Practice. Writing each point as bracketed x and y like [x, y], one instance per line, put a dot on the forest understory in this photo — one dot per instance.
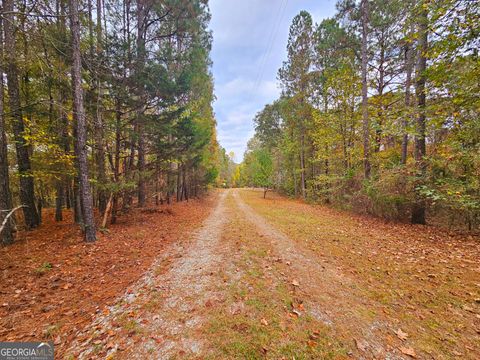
[234, 275]
[54, 282]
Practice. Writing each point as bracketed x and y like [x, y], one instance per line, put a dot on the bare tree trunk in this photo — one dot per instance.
[295, 185]
[366, 121]
[98, 121]
[59, 183]
[59, 200]
[27, 193]
[80, 122]
[127, 196]
[409, 57]
[141, 19]
[380, 89]
[5, 196]
[68, 194]
[302, 165]
[418, 209]
[179, 184]
[116, 166]
[63, 186]
[169, 181]
[184, 184]
[65, 196]
[157, 180]
[141, 168]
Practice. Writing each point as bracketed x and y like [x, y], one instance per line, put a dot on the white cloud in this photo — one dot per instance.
[242, 23]
[235, 87]
[249, 43]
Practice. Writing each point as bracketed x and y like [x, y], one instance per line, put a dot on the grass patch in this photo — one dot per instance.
[398, 270]
[265, 328]
[42, 269]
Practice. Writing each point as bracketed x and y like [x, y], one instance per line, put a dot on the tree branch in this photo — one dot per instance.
[9, 215]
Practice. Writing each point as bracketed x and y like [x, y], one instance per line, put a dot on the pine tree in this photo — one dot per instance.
[81, 127]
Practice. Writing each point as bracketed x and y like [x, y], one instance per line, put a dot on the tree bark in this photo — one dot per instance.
[179, 184]
[366, 121]
[5, 195]
[380, 90]
[408, 83]
[302, 166]
[116, 166]
[27, 192]
[418, 209]
[59, 200]
[81, 126]
[97, 113]
[141, 19]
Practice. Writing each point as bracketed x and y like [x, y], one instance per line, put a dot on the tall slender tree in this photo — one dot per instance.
[409, 64]
[139, 121]
[5, 197]
[295, 79]
[366, 121]
[81, 126]
[418, 210]
[27, 191]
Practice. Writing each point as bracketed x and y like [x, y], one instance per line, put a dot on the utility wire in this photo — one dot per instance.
[271, 41]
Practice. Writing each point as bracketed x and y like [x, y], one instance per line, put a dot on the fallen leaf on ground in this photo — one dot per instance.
[296, 312]
[401, 334]
[361, 345]
[408, 351]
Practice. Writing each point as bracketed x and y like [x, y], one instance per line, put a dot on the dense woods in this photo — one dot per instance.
[104, 105]
[112, 245]
[379, 112]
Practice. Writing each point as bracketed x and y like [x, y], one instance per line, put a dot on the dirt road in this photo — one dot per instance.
[278, 279]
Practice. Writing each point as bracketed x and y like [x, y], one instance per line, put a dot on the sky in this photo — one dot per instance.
[249, 46]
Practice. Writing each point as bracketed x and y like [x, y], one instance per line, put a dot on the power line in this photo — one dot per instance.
[271, 41]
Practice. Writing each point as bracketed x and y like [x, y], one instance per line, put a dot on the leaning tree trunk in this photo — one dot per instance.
[27, 193]
[80, 122]
[5, 197]
[366, 121]
[418, 209]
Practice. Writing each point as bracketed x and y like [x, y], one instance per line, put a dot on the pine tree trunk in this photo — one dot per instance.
[65, 196]
[141, 19]
[81, 126]
[169, 185]
[97, 116]
[184, 184]
[418, 209]
[27, 193]
[179, 184]
[116, 166]
[366, 120]
[63, 184]
[141, 167]
[380, 89]
[408, 83]
[5, 197]
[59, 200]
[302, 166]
